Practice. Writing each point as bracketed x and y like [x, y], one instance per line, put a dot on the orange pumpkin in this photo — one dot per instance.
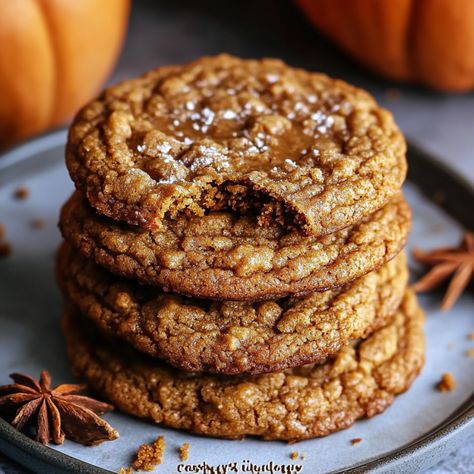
[425, 41]
[54, 55]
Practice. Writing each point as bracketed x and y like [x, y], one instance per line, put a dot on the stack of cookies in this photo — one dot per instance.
[233, 260]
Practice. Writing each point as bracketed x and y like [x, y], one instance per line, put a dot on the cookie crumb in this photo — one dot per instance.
[470, 352]
[38, 223]
[356, 441]
[5, 249]
[150, 455]
[294, 455]
[471, 336]
[125, 470]
[21, 193]
[447, 382]
[184, 452]
[303, 457]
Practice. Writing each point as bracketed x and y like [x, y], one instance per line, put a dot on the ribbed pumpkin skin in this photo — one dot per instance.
[54, 56]
[430, 42]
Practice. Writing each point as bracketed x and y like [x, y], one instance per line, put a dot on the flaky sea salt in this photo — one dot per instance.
[229, 114]
[272, 78]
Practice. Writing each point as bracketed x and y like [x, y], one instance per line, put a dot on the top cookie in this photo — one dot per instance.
[296, 147]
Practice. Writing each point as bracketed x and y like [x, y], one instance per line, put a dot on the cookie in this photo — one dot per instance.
[315, 400]
[226, 256]
[292, 146]
[231, 337]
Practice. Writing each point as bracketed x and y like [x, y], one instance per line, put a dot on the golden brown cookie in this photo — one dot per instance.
[231, 336]
[296, 147]
[227, 257]
[315, 400]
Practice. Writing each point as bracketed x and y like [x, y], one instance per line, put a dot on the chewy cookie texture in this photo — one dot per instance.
[232, 336]
[223, 255]
[295, 147]
[315, 400]
[233, 260]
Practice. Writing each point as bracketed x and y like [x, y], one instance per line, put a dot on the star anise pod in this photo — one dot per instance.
[456, 261]
[59, 412]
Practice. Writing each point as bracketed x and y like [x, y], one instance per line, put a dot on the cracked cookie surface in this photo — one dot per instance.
[297, 147]
[231, 337]
[229, 257]
[314, 400]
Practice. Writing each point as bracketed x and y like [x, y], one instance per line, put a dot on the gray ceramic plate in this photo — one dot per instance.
[420, 428]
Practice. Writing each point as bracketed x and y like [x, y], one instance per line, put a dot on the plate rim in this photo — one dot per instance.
[456, 427]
